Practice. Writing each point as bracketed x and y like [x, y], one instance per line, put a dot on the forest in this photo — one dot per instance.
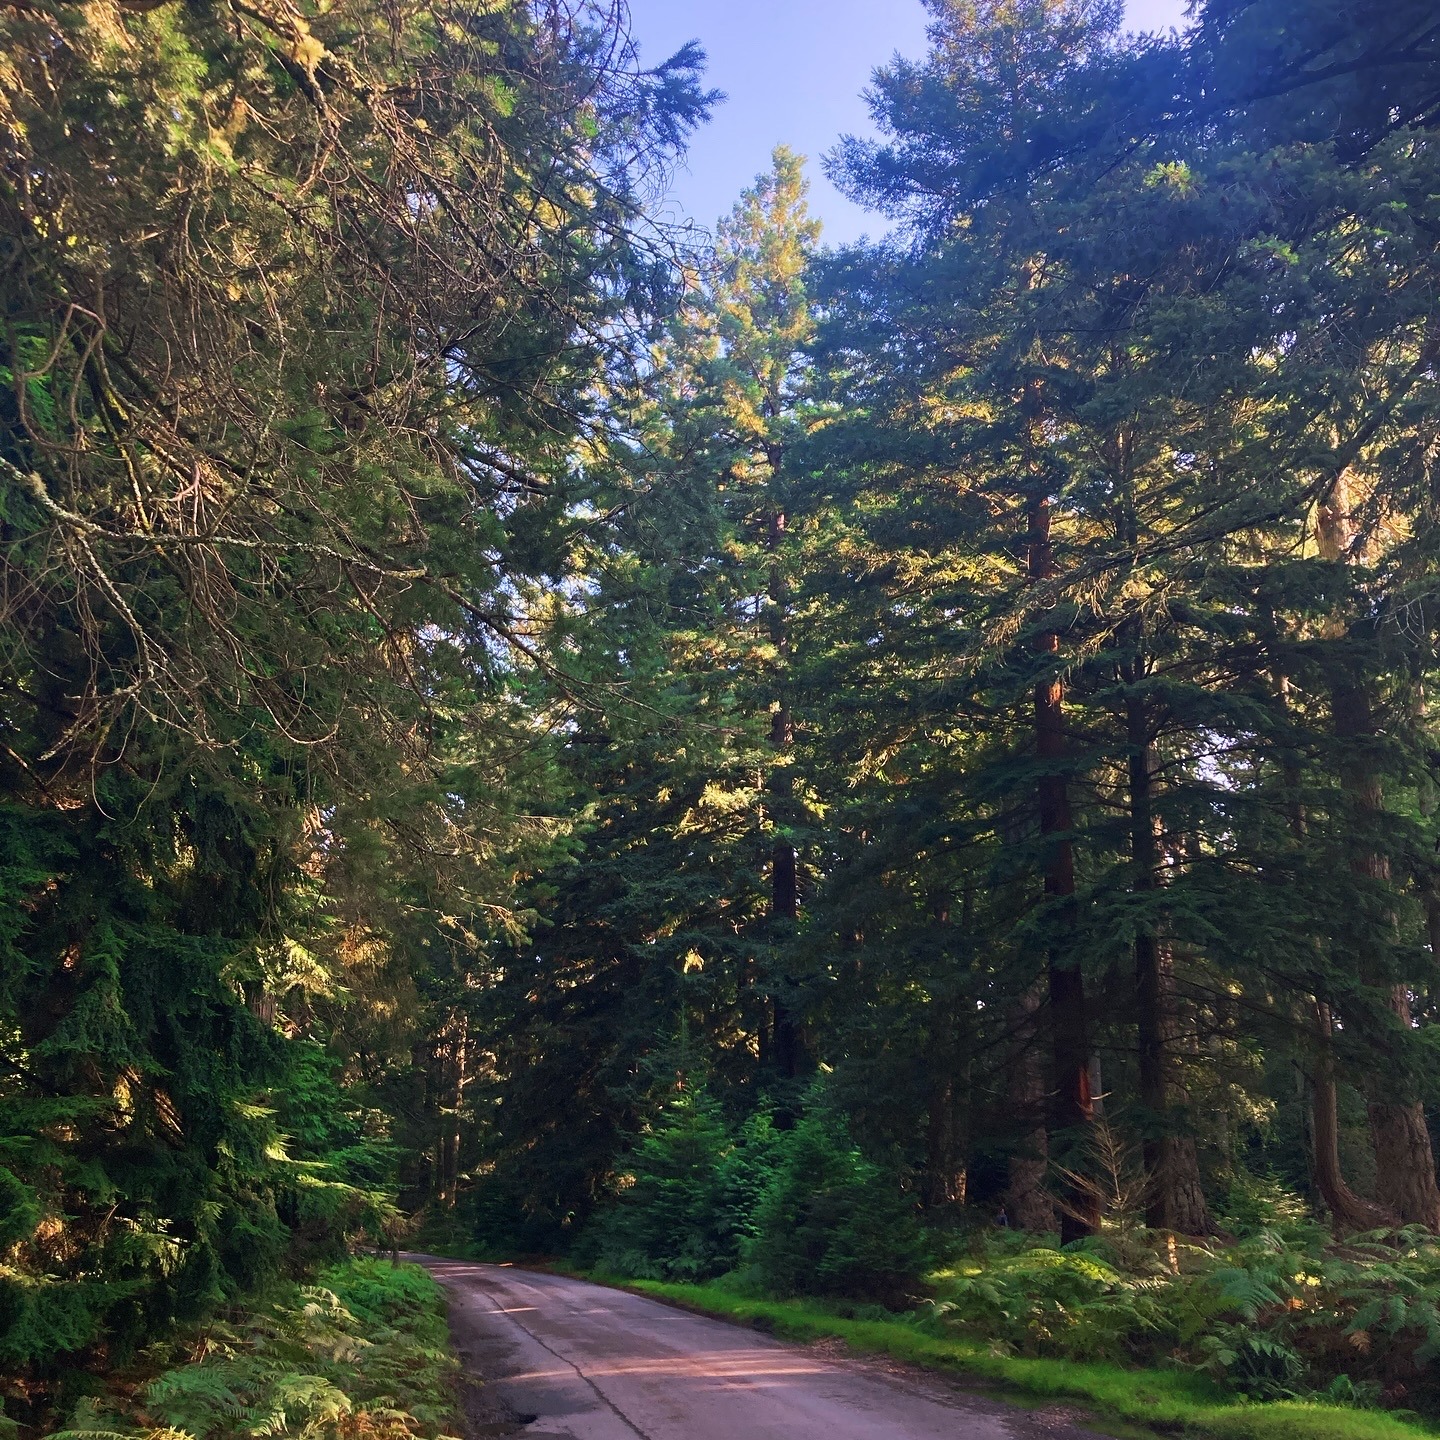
[898, 777]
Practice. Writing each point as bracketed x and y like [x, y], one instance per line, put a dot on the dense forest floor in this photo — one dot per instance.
[362, 1353]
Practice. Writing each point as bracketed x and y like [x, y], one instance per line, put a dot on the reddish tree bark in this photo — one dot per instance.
[1176, 1198]
[1348, 1210]
[1405, 1180]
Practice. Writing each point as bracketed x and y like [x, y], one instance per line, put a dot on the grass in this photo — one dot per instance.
[1170, 1402]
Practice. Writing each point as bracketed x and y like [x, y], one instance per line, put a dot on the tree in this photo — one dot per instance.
[305, 313]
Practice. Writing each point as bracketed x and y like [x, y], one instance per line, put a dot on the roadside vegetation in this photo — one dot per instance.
[797, 1230]
[1169, 1401]
[360, 1353]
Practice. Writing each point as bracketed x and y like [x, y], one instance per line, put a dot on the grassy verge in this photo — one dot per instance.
[1166, 1401]
[363, 1352]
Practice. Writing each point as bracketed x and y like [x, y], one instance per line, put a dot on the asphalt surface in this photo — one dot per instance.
[565, 1360]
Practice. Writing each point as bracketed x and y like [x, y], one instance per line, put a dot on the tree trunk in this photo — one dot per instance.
[435, 1104]
[1404, 1156]
[460, 1073]
[448, 1067]
[1145, 860]
[754, 1010]
[1405, 1181]
[945, 1171]
[784, 909]
[787, 1047]
[262, 1004]
[1189, 1212]
[1348, 1210]
[1027, 1202]
[1097, 1086]
[1175, 1198]
[1072, 1108]
[1186, 1209]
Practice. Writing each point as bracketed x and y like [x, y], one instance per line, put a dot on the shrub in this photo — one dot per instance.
[1256, 1204]
[671, 1219]
[1055, 1303]
[1361, 1317]
[747, 1170]
[832, 1223]
[1279, 1313]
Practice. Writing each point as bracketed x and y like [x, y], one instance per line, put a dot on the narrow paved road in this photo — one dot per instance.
[580, 1362]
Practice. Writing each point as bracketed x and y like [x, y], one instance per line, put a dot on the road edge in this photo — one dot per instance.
[1052, 1384]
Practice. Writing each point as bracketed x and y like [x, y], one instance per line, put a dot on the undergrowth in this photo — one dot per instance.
[802, 1208]
[1277, 1314]
[362, 1354]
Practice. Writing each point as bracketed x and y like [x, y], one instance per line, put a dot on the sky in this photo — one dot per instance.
[793, 71]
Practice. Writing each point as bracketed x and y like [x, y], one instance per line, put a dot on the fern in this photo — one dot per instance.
[306, 1367]
[1246, 1292]
[1281, 1312]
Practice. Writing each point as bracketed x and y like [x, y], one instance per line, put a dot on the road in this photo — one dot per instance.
[573, 1361]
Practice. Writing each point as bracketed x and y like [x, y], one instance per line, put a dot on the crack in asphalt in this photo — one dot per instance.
[600, 1395]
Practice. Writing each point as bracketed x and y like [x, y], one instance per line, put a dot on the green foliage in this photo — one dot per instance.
[439, 671]
[20, 1211]
[1261, 1203]
[832, 1222]
[1058, 1303]
[800, 1211]
[672, 1219]
[1266, 1316]
[361, 1354]
[322, 1120]
[272, 539]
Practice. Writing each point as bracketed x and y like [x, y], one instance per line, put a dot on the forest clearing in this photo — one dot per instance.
[884, 790]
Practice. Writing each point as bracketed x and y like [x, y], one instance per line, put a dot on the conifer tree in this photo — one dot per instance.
[762, 323]
[280, 467]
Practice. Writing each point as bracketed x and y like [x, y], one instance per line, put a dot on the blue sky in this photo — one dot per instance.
[793, 71]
